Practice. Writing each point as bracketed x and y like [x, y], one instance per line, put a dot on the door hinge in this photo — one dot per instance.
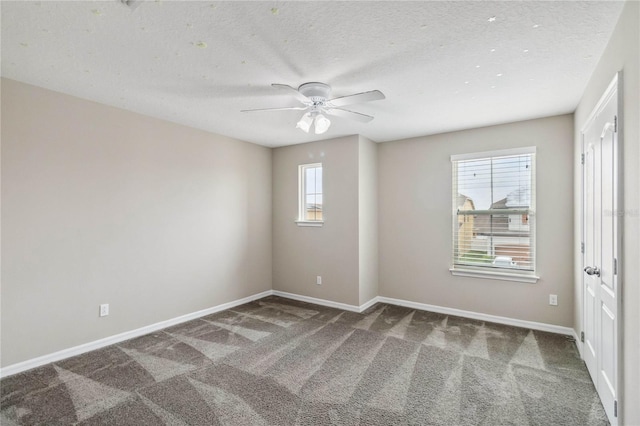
[615, 266]
[582, 248]
[582, 336]
[615, 124]
[615, 408]
[582, 159]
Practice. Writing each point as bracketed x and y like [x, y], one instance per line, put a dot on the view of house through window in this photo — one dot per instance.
[310, 208]
[493, 207]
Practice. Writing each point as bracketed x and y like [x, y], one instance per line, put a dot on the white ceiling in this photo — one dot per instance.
[443, 66]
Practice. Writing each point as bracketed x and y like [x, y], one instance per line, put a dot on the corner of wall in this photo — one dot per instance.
[367, 219]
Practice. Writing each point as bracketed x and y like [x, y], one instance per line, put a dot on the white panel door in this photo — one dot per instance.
[600, 279]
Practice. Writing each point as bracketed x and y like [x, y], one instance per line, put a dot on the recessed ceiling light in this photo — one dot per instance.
[477, 66]
[493, 87]
[536, 26]
[466, 82]
[492, 19]
[492, 50]
[526, 50]
[499, 75]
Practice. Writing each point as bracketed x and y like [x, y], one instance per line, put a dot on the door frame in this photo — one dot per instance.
[613, 87]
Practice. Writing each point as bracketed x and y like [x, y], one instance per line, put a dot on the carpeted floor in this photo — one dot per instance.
[282, 362]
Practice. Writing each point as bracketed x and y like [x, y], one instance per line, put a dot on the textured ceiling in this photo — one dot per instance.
[443, 66]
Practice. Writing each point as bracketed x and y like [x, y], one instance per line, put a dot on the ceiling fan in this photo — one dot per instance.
[316, 104]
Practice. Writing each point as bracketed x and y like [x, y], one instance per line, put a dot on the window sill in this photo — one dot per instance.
[314, 223]
[505, 276]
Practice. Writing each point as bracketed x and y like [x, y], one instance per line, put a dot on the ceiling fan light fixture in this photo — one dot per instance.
[315, 100]
[305, 123]
[322, 124]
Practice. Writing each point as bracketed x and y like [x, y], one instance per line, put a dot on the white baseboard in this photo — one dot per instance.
[579, 343]
[369, 304]
[433, 308]
[101, 343]
[322, 302]
[479, 316]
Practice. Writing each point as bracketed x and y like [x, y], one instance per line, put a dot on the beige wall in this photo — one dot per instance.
[368, 219]
[415, 221]
[622, 53]
[101, 205]
[331, 251]
[344, 251]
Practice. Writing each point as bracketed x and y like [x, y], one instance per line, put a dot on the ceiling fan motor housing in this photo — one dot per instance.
[317, 92]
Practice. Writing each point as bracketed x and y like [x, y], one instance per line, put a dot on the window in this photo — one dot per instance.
[310, 195]
[494, 214]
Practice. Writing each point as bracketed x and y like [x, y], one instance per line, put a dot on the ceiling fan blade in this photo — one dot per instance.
[301, 108]
[373, 95]
[299, 96]
[352, 115]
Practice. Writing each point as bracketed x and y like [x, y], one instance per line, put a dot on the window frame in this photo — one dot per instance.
[302, 195]
[527, 276]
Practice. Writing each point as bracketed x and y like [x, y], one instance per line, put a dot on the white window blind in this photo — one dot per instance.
[494, 211]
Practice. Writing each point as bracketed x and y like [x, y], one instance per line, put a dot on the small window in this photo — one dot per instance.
[310, 195]
[494, 214]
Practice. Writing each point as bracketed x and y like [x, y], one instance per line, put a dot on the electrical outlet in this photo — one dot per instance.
[319, 280]
[104, 310]
[553, 299]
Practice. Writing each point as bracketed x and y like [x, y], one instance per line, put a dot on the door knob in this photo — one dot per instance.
[592, 270]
